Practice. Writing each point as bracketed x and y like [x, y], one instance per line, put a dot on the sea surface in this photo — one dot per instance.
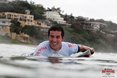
[14, 64]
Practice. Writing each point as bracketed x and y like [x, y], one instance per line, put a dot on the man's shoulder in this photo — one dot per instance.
[66, 43]
[43, 44]
[69, 44]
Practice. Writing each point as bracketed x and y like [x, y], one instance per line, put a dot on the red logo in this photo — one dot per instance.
[71, 45]
[40, 50]
[108, 72]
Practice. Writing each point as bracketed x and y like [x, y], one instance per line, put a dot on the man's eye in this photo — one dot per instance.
[52, 36]
[57, 36]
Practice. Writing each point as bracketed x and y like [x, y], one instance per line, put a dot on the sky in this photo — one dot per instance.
[97, 9]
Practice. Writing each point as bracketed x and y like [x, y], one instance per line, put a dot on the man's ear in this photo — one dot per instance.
[63, 39]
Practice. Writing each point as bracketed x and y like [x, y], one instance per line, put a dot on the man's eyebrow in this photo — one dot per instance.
[57, 36]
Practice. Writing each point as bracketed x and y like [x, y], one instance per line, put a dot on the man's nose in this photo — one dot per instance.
[54, 39]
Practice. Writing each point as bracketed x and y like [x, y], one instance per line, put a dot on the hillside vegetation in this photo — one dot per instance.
[75, 34]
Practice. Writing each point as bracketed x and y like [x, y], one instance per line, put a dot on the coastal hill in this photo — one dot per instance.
[104, 39]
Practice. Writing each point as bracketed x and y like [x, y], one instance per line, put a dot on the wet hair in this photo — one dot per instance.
[56, 28]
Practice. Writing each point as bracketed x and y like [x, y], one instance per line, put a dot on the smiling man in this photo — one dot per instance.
[56, 47]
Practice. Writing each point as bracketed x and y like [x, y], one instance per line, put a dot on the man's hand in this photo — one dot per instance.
[83, 48]
[92, 50]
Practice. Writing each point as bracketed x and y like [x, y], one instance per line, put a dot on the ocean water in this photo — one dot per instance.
[13, 65]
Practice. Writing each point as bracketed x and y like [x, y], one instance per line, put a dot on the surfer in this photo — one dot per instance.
[55, 46]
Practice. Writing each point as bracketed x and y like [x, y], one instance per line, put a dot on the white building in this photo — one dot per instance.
[5, 22]
[4, 26]
[55, 16]
[94, 26]
[24, 19]
[5, 1]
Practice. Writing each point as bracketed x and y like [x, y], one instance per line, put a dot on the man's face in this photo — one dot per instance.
[55, 40]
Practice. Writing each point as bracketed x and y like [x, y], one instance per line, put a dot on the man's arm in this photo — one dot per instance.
[84, 48]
